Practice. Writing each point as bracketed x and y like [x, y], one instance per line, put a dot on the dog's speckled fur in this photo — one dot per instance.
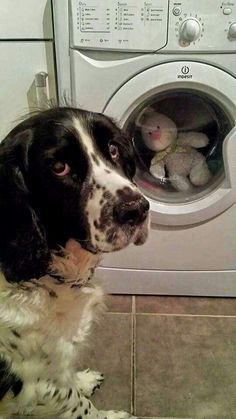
[53, 229]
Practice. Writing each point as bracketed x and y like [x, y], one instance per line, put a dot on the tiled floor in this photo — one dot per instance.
[167, 357]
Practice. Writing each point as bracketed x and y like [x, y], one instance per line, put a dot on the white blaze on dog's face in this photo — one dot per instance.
[116, 211]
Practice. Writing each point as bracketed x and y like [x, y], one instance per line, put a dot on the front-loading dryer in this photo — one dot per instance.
[128, 59]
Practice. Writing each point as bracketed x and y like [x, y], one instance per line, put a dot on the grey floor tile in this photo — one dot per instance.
[119, 303]
[110, 353]
[186, 305]
[186, 367]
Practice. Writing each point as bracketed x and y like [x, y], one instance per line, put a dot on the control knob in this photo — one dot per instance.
[232, 30]
[190, 30]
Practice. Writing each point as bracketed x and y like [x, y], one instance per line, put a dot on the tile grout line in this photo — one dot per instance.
[133, 357]
[177, 315]
[188, 315]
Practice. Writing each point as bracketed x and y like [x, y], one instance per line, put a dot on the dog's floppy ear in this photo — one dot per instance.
[24, 253]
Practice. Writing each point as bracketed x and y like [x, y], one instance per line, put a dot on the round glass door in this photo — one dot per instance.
[178, 137]
[184, 134]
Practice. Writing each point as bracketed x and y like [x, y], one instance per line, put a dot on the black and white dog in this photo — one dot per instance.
[67, 195]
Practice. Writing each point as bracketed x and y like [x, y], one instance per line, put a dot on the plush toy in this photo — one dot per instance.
[175, 152]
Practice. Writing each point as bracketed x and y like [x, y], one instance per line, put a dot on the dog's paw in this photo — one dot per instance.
[88, 381]
[115, 414]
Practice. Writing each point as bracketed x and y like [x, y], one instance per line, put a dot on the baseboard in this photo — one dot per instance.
[151, 282]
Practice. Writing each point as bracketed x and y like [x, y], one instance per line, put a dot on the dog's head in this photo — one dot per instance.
[66, 173]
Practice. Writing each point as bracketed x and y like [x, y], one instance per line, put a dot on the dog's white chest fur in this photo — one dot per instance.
[48, 322]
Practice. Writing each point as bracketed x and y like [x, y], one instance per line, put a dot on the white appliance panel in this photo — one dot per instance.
[19, 93]
[133, 25]
[32, 19]
[208, 246]
[212, 22]
[145, 25]
[193, 259]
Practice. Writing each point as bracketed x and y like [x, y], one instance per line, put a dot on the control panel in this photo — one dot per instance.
[135, 25]
[152, 25]
[202, 25]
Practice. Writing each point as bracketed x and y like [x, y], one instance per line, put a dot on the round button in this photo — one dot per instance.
[227, 11]
[176, 11]
[232, 30]
[190, 30]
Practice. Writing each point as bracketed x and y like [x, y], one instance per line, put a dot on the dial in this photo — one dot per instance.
[190, 30]
[232, 30]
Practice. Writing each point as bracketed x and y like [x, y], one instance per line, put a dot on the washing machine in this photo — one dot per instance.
[177, 59]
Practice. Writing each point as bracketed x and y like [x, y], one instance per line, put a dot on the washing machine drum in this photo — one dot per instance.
[178, 138]
[184, 137]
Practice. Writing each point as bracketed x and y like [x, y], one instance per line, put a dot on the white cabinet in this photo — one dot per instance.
[20, 62]
[26, 49]
[26, 19]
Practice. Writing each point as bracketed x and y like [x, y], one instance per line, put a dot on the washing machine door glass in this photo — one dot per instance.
[184, 134]
[178, 138]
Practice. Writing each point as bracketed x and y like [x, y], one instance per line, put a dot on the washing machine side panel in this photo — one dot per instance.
[207, 246]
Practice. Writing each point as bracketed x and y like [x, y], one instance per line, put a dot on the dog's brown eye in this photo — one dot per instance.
[61, 169]
[114, 152]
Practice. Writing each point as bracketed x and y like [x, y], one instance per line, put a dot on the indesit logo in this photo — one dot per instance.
[185, 73]
[185, 69]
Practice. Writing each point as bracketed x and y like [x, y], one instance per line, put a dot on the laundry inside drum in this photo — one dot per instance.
[178, 138]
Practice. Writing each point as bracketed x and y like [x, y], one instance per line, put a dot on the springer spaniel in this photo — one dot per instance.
[67, 195]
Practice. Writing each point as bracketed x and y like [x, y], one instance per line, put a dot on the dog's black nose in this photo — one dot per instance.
[132, 211]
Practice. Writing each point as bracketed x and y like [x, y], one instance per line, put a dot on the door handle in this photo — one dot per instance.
[41, 86]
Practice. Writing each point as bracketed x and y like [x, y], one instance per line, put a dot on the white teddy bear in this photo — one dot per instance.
[175, 153]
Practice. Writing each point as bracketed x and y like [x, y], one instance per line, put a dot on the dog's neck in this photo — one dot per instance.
[76, 266]
[73, 266]
[55, 307]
